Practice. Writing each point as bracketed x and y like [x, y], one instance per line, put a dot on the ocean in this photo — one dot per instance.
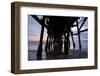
[33, 45]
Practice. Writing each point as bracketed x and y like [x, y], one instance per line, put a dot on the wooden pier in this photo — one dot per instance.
[58, 33]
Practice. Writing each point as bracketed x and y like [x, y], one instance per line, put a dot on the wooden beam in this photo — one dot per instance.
[78, 30]
[37, 19]
[73, 40]
[81, 31]
[83, 23]
[39, 51]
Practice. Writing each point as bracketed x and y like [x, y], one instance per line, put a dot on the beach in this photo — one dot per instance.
[73, 53]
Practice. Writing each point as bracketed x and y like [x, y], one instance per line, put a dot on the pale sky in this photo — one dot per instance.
[34, 29]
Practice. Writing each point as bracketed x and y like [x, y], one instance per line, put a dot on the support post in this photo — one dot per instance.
[39, 51]
[66, 44]
[78, 30]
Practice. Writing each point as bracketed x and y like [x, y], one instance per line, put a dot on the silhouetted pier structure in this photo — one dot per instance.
[58, 33]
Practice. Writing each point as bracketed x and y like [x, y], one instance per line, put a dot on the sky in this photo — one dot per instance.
[34, 29]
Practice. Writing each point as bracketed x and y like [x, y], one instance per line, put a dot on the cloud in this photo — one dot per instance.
[36, 37]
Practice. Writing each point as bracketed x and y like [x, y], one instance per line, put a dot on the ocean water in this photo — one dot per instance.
[33, 45]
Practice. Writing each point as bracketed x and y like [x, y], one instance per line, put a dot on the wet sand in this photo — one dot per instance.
[73, 54]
